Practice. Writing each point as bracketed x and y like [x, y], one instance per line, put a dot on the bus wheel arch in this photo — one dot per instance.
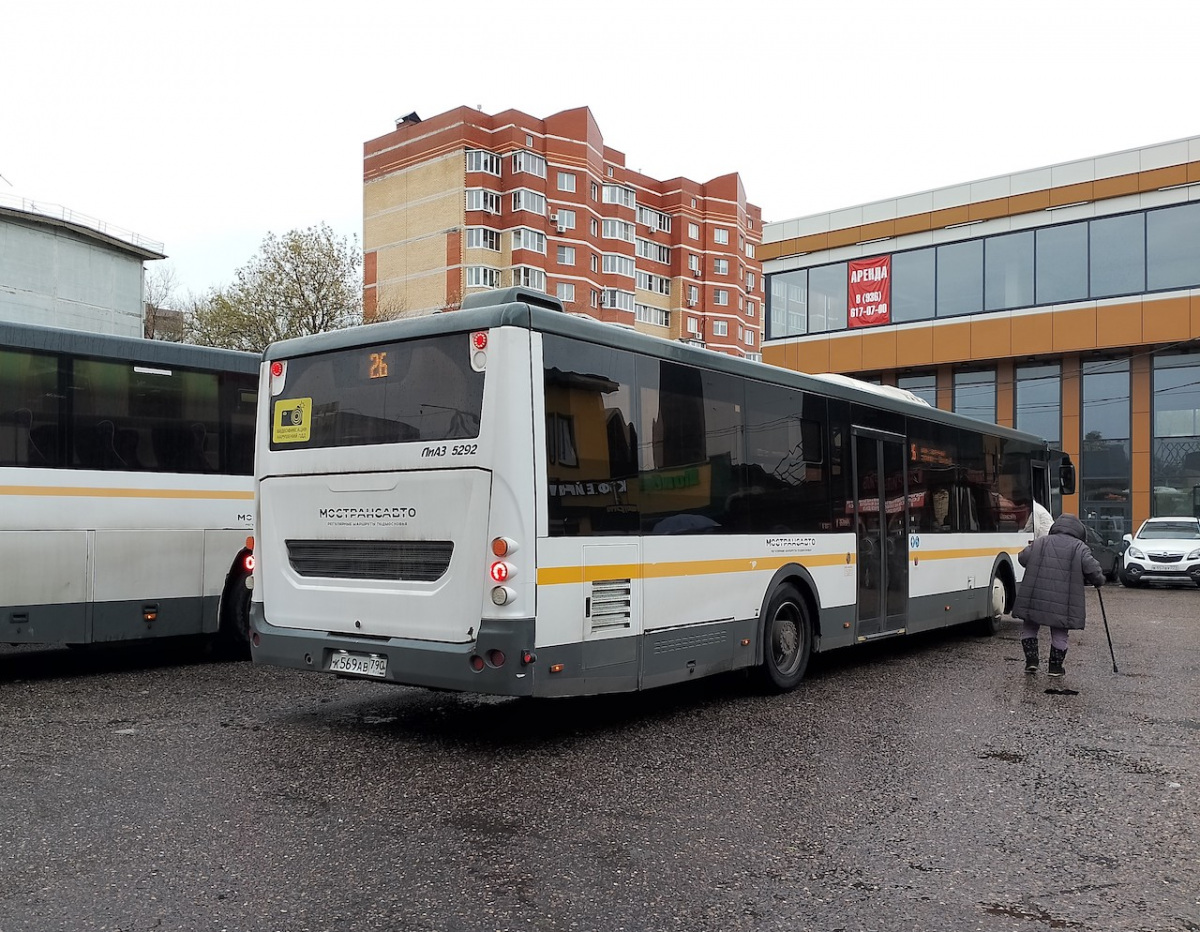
[788, 629]
[233, 613]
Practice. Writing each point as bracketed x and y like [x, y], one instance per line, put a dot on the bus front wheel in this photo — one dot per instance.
[787, 640]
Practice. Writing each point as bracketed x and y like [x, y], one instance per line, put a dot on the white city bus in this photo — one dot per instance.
[126, 487]
[509, 499]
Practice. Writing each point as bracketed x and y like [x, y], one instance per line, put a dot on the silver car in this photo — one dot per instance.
[1166, 549]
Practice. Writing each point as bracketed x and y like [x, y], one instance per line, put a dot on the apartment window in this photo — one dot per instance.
[749, 337]
[721, 296]
[693, 297]
[720, 266]
[528, 140]
[653, 315]
[720, 328]
[654, 219]
[532, 201]
[525, 238]
[622, 300]
[530, 163]
[595, 191]
[721, 236]
[595, 227]
[656, 283]
[694, 263]
[566, 292]
[480, 160]
[749, 250]
[566, 255]
[751, 281]
[655, 252]
[483, 238]
[566, 181]
[566, 218]
[693, 325]
[751, 309]
[595, 298]
[618, 229]
[618, 194]
[482, 199]
[618, 265]
[595, 263]
[480, 276]
[529, 277]
[693, 229]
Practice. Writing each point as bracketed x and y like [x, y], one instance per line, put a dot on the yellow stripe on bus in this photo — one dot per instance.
[920, 555]
[559, 575]
[81, 492]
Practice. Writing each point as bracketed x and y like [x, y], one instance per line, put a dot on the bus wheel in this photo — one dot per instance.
[234, 634]
[997, 599]
[787, 640]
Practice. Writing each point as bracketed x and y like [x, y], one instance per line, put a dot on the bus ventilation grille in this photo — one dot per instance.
[611, 600]
[407, 560]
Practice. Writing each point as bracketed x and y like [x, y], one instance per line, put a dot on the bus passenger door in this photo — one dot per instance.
[881, 521]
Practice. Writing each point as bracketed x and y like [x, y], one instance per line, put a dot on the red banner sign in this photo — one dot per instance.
[870, 291]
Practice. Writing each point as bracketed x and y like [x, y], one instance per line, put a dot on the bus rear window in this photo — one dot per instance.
[417, 390]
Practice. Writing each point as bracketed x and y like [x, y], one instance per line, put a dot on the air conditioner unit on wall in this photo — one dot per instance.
[554, 218]
[562, 229]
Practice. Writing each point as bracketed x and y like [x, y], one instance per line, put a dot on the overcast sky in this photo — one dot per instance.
[207, 125]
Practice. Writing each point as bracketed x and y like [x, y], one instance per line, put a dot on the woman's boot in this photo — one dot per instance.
[1030, 646]
[1056, 661]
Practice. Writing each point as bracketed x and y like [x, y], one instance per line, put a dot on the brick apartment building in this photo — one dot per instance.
[467, 201]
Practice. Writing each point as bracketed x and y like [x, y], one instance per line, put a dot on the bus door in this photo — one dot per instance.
[881, 520]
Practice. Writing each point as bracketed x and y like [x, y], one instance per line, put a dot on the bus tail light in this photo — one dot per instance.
[502, 546]
[502, 572]
[477, 663]
[496, 658]
[248, 562]
[278, 375]
[502, 595]
[479, 342]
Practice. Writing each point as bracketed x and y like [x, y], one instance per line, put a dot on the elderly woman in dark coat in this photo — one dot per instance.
[1052, 592]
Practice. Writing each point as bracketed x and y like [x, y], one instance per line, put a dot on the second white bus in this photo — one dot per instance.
[509, 499]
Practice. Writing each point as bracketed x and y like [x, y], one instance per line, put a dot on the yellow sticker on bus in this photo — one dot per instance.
[292, 422]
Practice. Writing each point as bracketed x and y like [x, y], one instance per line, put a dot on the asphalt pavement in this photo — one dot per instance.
[924, 783]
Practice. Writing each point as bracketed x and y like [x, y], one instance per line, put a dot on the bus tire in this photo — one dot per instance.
[233, 635]
[787, 635]
[998, 601]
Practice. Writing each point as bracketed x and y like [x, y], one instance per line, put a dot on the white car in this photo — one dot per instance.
[1165, 549]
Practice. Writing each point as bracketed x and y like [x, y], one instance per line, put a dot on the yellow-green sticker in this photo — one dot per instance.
[292, 421]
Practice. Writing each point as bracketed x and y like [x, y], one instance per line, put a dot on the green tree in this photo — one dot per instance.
[304, 282]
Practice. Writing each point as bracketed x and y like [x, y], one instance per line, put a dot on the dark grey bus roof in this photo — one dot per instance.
[511, 308]
[125, 349]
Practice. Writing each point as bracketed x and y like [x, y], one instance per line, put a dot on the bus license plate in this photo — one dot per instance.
[342, 661]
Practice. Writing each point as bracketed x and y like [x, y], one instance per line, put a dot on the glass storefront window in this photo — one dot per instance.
[1104, 463]
[1175, 464]
[1173, 247]
[1008, 271]
[960, 278]
[1038, 401]
[975, 394]
[1118, 255]
[827, 298]
[789, 304]
[1062, 263]
[914, 285]
[923, 385]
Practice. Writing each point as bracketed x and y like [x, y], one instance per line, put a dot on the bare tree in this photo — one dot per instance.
[161, 317]
[304, 282]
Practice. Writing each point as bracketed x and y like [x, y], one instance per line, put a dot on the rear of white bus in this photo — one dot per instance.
[395, 496]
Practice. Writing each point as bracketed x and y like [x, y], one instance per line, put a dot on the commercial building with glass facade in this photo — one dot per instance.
[1062, 300]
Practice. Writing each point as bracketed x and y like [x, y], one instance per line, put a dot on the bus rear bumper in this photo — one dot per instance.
[499, 650]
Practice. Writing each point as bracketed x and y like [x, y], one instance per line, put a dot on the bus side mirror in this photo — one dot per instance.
[1066, 477]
